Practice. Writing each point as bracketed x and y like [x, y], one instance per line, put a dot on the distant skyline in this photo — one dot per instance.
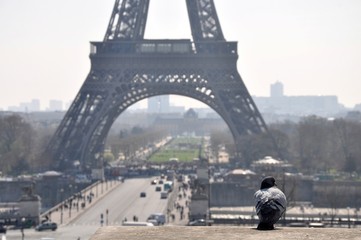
[56, 105]
[312, 47]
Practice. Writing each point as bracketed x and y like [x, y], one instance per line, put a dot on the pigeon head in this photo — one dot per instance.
[268, 182]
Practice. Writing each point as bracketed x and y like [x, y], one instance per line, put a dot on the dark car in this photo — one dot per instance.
[2, 229]
[143, 194]
[46, 226]
[198, 222]
[158, 189]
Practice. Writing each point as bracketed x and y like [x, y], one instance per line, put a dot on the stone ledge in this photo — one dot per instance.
[223, 233]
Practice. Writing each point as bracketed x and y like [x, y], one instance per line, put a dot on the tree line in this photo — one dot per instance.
[22, 144]
[313, 144]
[16, 145]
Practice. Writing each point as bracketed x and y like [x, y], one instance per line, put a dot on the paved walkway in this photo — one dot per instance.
[69, 209]
[178, 205]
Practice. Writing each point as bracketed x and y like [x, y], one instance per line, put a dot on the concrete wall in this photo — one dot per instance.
[337, 194]
[230, 194]
[30, 209]
[328, 194]
[50, 190]
[198, 209]
[11, 191]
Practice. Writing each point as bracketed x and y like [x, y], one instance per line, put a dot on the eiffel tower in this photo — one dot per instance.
[126, 68]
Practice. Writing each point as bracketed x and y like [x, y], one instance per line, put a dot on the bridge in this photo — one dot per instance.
[113, 202]
[69, 209]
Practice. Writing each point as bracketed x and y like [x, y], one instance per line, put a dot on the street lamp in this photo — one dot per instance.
[101, 181]
[61, 205]
[61, 194]
[22, 228]
[97, 183]
[107, 216]
[70, 200]
[61, 214]
[348, 216]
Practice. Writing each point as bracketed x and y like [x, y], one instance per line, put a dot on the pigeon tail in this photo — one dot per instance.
[265, 226]
[269, 214]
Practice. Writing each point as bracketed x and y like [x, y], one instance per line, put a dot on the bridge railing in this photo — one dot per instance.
[61, 204]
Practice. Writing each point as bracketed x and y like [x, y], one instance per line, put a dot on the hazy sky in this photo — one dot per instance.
[312, 46]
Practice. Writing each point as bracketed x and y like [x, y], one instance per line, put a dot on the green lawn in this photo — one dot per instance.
[183, 148]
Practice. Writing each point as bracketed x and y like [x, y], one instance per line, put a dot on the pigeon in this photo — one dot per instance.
[270, 204]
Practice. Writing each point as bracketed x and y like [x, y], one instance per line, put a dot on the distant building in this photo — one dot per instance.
[353, 116]
[278, 103]
[277, 89]
[245, 176]
[33, 106]
[271, 166]
[177, 109]
[55, 105]
[158, 104]
[357, 107]
[189, 122]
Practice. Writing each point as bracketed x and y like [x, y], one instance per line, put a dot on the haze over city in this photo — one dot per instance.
[313, 47]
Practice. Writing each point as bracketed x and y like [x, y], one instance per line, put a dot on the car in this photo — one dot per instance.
[164, 195]
[156, 218]
[46, 226]
[198, 222]
[158, 189]
[2, 229]
[143, 194]
[153, 182]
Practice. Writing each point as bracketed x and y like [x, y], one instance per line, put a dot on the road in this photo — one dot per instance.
[123, 202]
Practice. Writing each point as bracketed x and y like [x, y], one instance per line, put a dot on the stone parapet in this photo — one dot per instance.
[223, 232]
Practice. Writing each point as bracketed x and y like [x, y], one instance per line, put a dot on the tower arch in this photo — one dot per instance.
[126, 68]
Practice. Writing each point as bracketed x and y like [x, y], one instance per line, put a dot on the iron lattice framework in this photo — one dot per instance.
[126, 68]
